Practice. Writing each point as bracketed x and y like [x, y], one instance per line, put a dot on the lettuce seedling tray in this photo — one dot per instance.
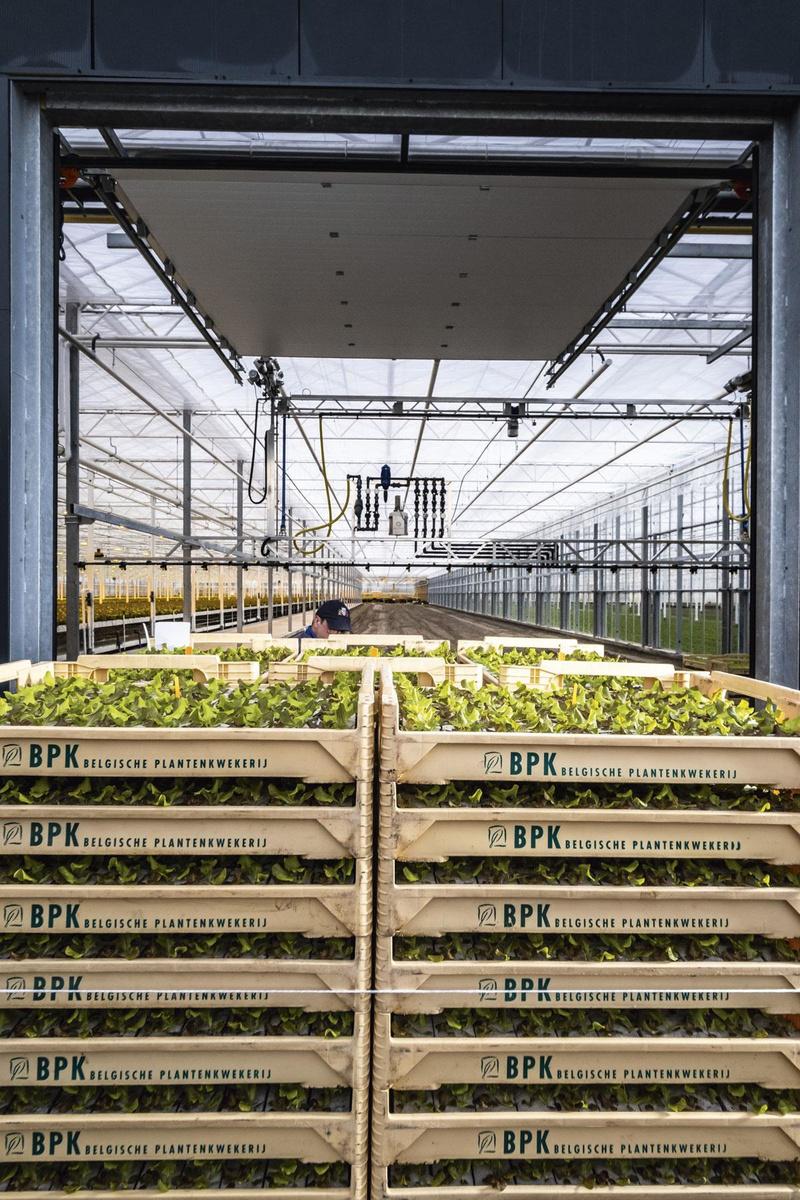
[182, 830]
[429, 671]
[310, 1137]
[434, 835]
[281, 1193]
[546, 1191]
[89, 666]
[166, 1061]
[434, 1137]
[379, 639]
[253, 641]
[435, 909]
[554, 673]
[267, 1193]
[314, 755]
[503, 642]
[429, 987]
[440, 756]
[310, 984]
[426, 1063]
[312, 910]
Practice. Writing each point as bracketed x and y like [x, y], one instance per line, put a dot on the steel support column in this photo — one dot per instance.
[188, 586]
[776, 423]
[27, 379]
[72, 521]
[239, 546]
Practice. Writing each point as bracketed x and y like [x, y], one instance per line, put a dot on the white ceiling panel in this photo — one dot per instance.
[454, 267]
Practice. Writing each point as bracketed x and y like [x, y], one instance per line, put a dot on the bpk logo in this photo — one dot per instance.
[15, 987]
[12, 754]
[487, 915]
[12, 916]
[12, 833]
[498, 837]
[492, 763]
[15, 1143]
[487, 1141]
[19, 1068]
[490, 1067]
[487, 989]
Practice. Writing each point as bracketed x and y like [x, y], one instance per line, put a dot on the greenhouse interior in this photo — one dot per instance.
[400, 603]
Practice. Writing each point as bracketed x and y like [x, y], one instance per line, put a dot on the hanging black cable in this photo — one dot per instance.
[257, 499]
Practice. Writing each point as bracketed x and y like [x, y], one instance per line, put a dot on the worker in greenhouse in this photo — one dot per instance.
[332, 616]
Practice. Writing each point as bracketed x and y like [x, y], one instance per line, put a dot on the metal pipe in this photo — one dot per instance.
[188, 595]
[176, 425]
[283, 475]
[240, 546]
[423, 423]
[72, 495]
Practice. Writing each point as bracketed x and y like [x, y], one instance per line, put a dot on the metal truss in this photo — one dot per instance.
[104, 188]
[447, 408]
[699, 202]
[593, 554]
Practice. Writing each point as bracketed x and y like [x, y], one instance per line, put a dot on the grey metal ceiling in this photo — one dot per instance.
[399, 266]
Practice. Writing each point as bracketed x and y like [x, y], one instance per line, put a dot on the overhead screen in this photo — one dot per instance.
[399, 266]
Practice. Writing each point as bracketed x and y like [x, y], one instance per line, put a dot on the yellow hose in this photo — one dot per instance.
[331, 521]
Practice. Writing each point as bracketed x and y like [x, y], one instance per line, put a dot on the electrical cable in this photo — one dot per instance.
[746, 509]
[250, 496]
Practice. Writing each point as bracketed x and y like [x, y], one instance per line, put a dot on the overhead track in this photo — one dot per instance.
[105, 189]
[698, 202]
[491, 408]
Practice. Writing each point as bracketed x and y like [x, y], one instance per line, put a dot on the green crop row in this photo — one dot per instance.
[596, 795]
[593, 1174]
[600, 872]
[145, 946]
[163, 1176]
[530, 656]
[116, 607]
[593, 1022]
[164, 793]
[172, 1022]
[586, 705]
[441, 651]
[593, 947]
[163, 701]
[603, 1097]
[184, 869]
[197, 1098]
[264, 657]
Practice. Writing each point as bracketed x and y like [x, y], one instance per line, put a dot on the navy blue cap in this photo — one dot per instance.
[337, 615]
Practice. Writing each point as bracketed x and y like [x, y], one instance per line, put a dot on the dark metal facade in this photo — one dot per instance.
[546, 45]
[576, 68]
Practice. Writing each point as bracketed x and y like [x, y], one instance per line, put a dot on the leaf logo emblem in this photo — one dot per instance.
[492, 763]
[15, 986]
[15, 1143]
[20, 1068]
[487, 1141]
[487, 989]
[487, 914]
[12, 754]
[497, 836]
[12, 916]
[490, 1067]
[12, 833]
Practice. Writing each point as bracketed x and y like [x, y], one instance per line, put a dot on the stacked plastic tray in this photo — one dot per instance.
[148, 1013]
[424, 1042]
